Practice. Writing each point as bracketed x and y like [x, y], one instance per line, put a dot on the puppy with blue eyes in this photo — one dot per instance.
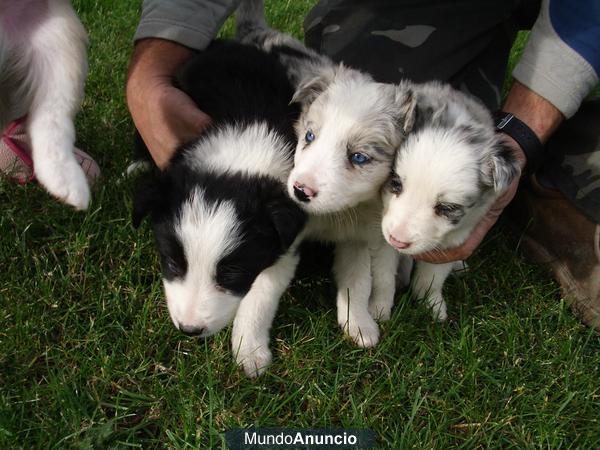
[348, 131]
[445, 177]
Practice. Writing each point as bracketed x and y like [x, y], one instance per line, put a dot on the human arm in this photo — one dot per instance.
[164, 116]
[167, 36]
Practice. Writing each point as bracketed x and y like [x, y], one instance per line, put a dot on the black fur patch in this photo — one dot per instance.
[270, 221]
[236, 83]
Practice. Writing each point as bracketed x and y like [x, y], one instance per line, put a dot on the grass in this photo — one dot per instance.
[90, 359]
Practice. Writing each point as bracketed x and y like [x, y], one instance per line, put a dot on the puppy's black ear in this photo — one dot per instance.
[499, 165]
[406, 106]
[288, 219]
[149, 196]
[310, 88]
[503, 166]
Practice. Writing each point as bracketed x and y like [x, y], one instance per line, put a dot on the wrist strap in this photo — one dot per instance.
[525, 137]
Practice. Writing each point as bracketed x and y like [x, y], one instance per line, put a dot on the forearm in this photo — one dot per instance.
[538, 113]
[154, 60]
[541, 116]
[164, 116]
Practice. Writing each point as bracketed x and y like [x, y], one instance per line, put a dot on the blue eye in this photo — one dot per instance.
[359, 158]
[310, 136]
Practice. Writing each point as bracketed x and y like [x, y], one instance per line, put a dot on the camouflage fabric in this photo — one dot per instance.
[463, 42]
[573, 164]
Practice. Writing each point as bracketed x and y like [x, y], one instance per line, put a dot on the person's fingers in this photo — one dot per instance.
[164, 116]
[174, 120]
[194, 121]
[465, 250]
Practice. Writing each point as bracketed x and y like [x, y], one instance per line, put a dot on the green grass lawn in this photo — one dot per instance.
[90, 359]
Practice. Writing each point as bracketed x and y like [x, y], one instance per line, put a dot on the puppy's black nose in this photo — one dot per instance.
[191, 330]
[301, 195]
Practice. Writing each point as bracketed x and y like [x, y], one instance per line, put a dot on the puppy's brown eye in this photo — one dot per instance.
[396, 185]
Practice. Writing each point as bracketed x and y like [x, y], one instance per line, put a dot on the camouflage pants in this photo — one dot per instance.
[466, 43]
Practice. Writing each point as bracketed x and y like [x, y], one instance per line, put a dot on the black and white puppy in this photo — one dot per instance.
[43, 65]
[224, 225]
[445, 177]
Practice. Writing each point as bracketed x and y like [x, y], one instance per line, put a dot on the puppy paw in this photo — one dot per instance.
[254, 357]
[380, 310]
[255, 362]
[363, 330]
[64, 180]
[438, 308]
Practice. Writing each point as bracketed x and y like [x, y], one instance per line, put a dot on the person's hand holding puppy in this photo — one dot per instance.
[164, 115]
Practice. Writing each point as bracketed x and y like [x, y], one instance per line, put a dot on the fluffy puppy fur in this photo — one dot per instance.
[224, 225]
[349, 129]
[43, 66]
[445, 177]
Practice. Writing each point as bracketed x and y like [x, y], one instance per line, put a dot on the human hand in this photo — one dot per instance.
[164, 116]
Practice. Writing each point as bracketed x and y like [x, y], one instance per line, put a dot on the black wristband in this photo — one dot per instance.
[525, 137]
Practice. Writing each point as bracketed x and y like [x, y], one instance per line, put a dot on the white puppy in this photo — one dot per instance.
[445, 177]
[43, 66]
[349, 130]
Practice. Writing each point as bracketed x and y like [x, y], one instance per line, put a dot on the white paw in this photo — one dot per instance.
[380, 309]
[254, 358]
[438, 308]
[64, 180]
[363, 330]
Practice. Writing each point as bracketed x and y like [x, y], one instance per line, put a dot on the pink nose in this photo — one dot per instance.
[399, 244]
[303, 192]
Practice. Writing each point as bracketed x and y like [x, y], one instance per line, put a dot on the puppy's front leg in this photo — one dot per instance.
[428, 283]
[352, 270]
[250, 335]
[384, 264]
[57, 72]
